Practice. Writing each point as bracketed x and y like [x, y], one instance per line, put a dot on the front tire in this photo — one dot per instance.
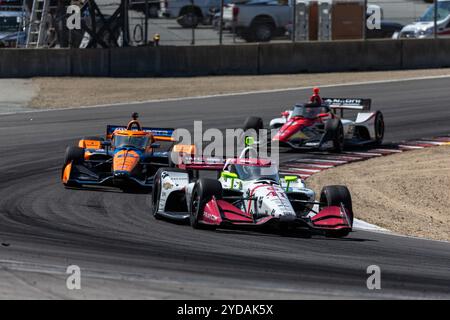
[203, 192]
[379, 128]
[75, 155]
[255, 123]
[335, 196]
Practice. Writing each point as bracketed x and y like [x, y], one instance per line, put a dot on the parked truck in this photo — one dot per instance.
[258, 20]
[189, 13]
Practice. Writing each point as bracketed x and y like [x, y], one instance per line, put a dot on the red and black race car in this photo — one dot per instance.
[322, 126]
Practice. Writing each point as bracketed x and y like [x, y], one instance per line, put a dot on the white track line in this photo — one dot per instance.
[319, 161]
[436, 143]
[370, 154]
[308, 165]
[303, 169]
[235, 94]
[388, 150]
[410, 147]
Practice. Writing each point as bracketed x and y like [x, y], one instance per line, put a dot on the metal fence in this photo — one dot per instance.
[211, 22]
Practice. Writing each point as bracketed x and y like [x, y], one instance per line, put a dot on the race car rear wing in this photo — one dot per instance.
[348, 103]
[160, 134]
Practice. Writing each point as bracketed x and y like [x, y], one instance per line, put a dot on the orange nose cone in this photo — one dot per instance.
[125, 161]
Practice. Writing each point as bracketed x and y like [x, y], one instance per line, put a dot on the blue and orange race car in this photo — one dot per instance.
[128, 158]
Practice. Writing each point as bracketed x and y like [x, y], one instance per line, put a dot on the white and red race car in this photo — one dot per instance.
[248, 192]
[323, 127]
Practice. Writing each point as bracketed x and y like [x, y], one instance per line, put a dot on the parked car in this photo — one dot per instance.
[424, 27]
[10, 24]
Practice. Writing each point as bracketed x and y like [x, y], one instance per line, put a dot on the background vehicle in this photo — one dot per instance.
[153, 7]
[188, 13]
[424, 27]
[258, 20]
[10, 33]
[249, 193]
[127, 158]
[10, 4]
[320, 127]
[387, 30]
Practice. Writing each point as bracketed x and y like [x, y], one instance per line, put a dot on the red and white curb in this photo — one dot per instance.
[319, 161]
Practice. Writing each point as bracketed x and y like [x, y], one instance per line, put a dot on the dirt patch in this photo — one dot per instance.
[407, 193]
[73, 92]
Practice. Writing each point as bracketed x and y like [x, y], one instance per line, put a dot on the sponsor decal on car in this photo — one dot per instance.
[167, 185]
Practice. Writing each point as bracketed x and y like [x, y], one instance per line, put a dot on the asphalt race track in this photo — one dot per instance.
[124, 253]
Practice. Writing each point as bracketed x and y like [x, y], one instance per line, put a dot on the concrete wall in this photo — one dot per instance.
[228, 59]
[330, 56]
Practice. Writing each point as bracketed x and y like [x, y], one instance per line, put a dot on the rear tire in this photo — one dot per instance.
[335, 132]
[203, 192]
[262, 31]
[189, 17]
[335, 196]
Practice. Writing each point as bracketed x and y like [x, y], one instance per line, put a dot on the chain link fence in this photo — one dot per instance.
[212, 22]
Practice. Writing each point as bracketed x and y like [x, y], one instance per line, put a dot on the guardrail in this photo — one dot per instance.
[227, 60]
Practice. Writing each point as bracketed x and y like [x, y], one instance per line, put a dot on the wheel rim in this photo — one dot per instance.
[263, 33]
[190, 18]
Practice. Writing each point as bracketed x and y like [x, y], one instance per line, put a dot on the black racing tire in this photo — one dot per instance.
[335, 196]
[335, 133]
[156, 193]
[379, 128]
[255, 123]
[75, 154]
[204, 190]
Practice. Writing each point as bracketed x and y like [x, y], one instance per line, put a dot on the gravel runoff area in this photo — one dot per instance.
[74, 92]
[407, 193]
